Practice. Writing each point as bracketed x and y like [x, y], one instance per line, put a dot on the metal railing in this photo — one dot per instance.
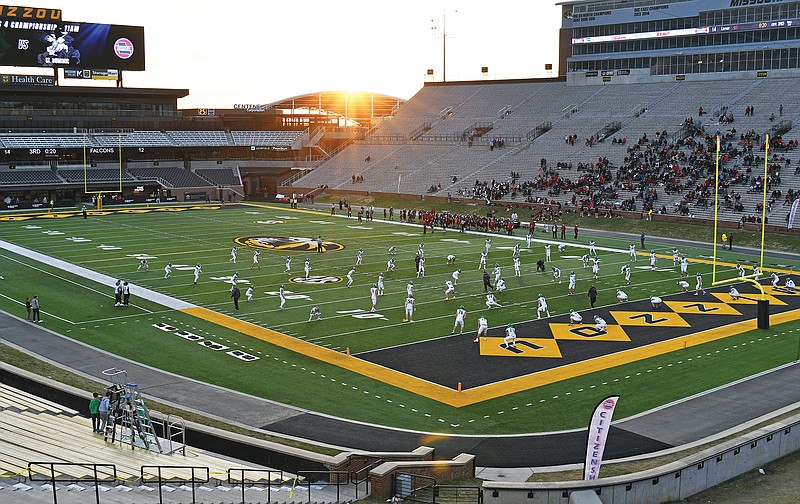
[160, 479]
[447, 494]
[239, 477]
[336, 478]
[97, 476]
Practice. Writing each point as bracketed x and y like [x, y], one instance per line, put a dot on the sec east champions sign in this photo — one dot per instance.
[56, 43]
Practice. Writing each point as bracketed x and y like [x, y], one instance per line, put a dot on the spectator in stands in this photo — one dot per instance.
[104, 410]
[94, 412]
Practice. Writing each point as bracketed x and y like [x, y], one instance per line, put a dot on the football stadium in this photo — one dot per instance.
[572, 289]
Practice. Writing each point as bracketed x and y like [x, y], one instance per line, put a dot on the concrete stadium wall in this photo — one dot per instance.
[670, 483]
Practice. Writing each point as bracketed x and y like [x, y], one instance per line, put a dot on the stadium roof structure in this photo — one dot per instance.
[360, 107]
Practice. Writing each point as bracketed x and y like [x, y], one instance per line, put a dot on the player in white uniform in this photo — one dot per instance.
[350, 276]
[487, 245]
[143, 265]
[360, 257]
[380, 284]
[235, 279]
[789, 284]
[410, 305]
[561, 247]
[449, 289]
[421, 249]
[256, 254]
[515, 253]
[197, 271]
[541, 306]
[626, 270]
[556, 275]
[684, 285]
[461, 314]
[734, 293]
[517, 272]
[500, 285]
[592, 250]
[288, 268]
[421, 270]
[632, 251]
[652, 260]
[410, 288]
[315, 313]
[307, 267]
[168, 270]
[596, 267]
[655, 302]
[392, 250]
[282, 295]
[740, 269]
[483, 328]
[373, 296]
[599, 323]
[456, 274]
[249, 293]
[572, 281]
[698, 286]
[775, 279]
[451, 259]
[490, 301]
[234, 251]
[585, 259]
[510, 339]
[547, 252]
[496, 273]
[684, 266]
[482, 263]
[756, 272]
[528, 240]
[390, 264]
[575, 318]
[675, 257]
[621, 296]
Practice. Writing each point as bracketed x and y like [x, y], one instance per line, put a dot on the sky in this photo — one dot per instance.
[244, 51]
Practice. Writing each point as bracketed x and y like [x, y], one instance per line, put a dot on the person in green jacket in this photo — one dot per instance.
[94, 411]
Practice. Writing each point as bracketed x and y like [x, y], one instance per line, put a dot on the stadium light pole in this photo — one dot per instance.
[444, 44]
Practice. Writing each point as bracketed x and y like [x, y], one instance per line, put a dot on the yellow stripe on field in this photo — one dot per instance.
[451, 396]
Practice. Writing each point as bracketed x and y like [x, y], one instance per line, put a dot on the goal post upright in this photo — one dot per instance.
[763, 303]
[86, 172]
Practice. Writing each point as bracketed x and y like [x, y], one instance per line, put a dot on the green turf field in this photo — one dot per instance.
[113, 244]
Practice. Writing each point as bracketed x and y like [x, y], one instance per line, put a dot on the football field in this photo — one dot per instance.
[373, 366]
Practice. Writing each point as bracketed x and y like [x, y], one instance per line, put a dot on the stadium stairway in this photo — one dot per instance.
[35, 433]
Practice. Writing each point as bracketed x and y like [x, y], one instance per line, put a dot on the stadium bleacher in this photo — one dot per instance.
[197, 138]
[28, 177]
[441, 156]
[265, 138]
[170, 175]
[220, 176]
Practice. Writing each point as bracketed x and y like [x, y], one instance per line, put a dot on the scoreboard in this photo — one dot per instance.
[39, 37]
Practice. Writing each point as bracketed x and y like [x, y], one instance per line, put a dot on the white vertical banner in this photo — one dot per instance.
[793, 213]
[599, 426]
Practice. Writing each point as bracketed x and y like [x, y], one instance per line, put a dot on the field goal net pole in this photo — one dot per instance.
[763, 303]
[100, 193]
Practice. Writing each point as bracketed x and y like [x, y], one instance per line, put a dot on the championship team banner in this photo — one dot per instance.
[63, 44]
[598, 434]
[793, 213]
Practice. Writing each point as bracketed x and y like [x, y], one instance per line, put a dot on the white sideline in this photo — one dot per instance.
[156, 297]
